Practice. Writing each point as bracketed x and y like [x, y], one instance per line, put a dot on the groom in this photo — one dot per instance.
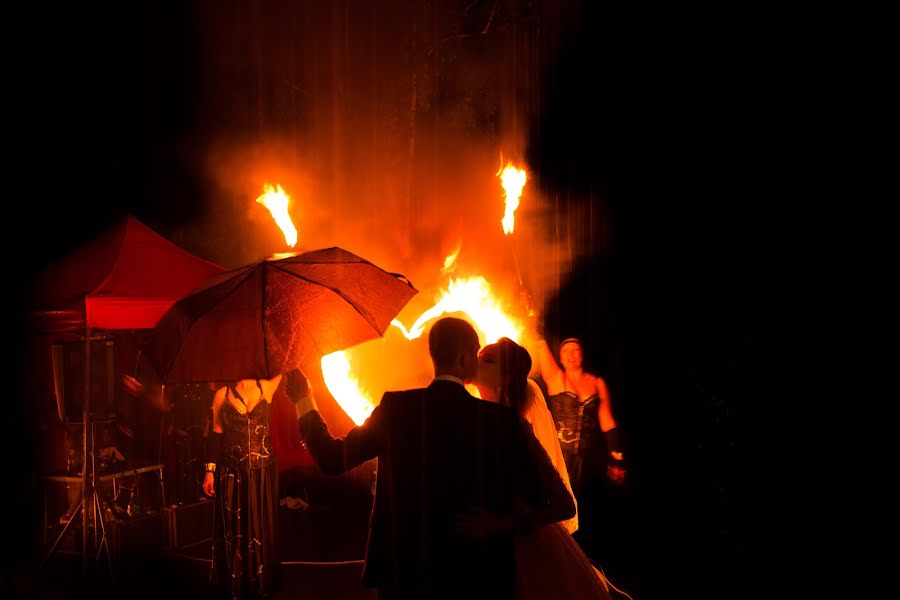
[441, 453]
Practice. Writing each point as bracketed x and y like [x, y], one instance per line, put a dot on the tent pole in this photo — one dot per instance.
[85, 425]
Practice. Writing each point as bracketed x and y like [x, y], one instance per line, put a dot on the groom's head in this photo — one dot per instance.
[453, 346]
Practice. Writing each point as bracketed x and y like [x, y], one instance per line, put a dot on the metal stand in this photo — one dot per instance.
[102, 507]
[96, 502]
[101, 537]
[90, 498]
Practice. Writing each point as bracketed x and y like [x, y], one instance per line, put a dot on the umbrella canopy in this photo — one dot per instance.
[269, 317]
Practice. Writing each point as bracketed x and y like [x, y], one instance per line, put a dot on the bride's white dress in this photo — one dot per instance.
[549, 562]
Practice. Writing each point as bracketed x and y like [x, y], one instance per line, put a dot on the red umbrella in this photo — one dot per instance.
[269, 317]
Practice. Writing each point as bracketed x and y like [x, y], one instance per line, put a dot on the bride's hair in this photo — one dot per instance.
[515, 364]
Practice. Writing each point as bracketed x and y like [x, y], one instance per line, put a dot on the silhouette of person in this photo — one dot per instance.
[443, 453]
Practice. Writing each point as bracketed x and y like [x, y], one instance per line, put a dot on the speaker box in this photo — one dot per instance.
[68, 379]
[188, 524]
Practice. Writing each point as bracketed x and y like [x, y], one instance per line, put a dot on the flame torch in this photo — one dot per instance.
[513, 181]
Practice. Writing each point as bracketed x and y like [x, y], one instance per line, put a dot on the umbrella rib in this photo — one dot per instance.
[367, 318]
[193, 321]
[262, 317]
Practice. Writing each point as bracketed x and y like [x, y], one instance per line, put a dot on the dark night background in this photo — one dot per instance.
[693, 152]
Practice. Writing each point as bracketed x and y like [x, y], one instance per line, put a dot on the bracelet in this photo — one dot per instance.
[210, 467]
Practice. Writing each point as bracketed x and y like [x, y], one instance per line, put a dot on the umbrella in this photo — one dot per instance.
[269, 317]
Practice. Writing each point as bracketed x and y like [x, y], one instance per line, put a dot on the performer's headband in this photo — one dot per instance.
[571, 340]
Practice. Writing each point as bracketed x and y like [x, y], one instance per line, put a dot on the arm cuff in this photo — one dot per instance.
[613, 444]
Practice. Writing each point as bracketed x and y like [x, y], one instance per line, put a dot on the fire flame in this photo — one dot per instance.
[344, 388]
[471, 295]
[450, 260]
[513, 181]
[276, 200]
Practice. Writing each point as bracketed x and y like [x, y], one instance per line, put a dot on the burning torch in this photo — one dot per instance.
[277, 201]
[513, 181]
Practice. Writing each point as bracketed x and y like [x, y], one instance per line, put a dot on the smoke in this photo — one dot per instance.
[387, 131]
[458, 206]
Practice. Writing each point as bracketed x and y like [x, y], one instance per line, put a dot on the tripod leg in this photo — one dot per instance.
[98, 514]
[62, 533]
[104, 541]
[162, 489]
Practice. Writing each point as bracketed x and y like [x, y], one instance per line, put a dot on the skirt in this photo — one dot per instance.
[551, 564]
[246, 562]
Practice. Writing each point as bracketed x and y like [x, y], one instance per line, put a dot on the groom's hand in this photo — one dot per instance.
[299, 392]
[295, 385]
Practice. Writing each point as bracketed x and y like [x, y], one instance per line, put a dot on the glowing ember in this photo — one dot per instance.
[513, 181]
[344, 388]
[276, 200]
[471, 295]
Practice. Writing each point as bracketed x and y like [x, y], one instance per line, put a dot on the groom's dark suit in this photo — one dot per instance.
[440, 452]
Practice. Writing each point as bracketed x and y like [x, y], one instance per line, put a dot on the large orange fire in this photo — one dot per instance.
[345, 388]
[471, 295]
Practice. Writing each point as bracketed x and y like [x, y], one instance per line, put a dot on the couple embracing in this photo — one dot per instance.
[468, 502]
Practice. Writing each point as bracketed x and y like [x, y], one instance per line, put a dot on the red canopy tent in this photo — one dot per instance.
[124, 279]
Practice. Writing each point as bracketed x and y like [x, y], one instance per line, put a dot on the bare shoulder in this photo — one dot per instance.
[599, 384]
[218, 399]
[219, 396]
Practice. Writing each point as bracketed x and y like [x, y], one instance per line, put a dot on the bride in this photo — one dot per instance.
[549, 562]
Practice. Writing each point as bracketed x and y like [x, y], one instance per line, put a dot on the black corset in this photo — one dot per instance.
[245, 438]
[577, 424]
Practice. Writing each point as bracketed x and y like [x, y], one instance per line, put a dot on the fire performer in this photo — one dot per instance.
[589, 437]
[442, 453]
[245, 544]
[579, 402]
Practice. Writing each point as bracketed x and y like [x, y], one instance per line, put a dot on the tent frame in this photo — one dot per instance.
[90, 499]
